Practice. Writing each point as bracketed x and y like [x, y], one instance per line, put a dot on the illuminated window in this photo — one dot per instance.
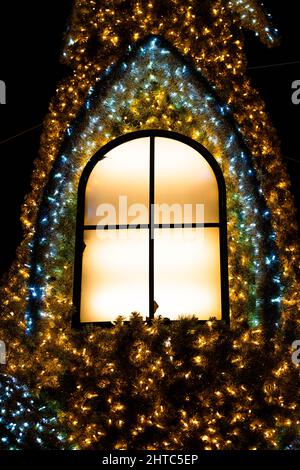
[151, 231]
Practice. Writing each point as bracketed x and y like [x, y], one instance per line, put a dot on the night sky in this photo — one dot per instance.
[31, 40]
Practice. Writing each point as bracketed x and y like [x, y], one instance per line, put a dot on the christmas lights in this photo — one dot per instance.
[24, 421]
[161, 386]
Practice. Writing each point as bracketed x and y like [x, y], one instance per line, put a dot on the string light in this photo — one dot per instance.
[163, 386]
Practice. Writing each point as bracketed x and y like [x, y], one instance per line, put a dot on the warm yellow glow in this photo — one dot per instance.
[187, 273]
[115, 271]
[182, 176]
[115, 274]
[123, 172]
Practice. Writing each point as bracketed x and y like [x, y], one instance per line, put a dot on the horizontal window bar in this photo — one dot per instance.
[146, 226]
[115, 227]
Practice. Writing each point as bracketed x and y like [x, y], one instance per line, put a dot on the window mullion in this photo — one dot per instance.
[151, 230]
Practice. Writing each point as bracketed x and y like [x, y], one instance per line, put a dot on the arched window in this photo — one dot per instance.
[151, 231]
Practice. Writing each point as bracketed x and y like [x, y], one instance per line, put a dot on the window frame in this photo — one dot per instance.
[80, 227]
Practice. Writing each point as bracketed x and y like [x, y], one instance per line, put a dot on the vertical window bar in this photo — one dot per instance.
[151, 230]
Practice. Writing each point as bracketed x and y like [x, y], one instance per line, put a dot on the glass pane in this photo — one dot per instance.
[187, 278]
[115, 274]
[183, 176]
[123, 172]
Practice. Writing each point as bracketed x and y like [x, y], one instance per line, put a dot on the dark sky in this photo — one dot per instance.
[30, 44]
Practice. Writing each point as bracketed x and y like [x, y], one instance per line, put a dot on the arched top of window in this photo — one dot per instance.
[151, 231]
